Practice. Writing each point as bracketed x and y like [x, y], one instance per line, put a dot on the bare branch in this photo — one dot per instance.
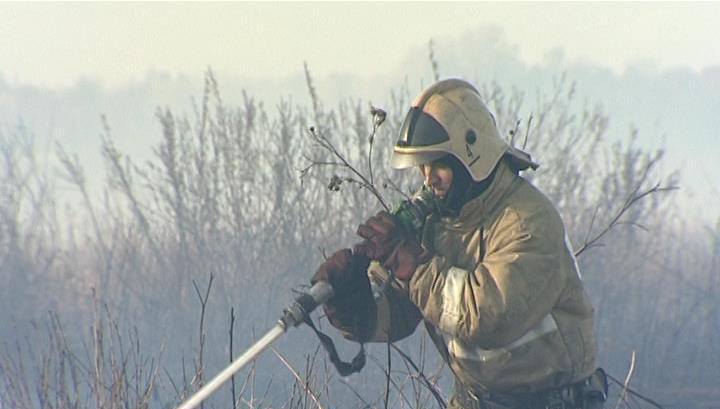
[629, 202]
[305, 383]
[626, 384]
[320, 139]
[433, 61]
[430, 387]
[199, 370]
[635, 393]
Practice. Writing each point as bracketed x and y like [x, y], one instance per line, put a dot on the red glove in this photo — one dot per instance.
[352, 307]
[389, 244]
[381, 234]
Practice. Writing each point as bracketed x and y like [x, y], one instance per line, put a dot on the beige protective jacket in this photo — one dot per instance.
[501, 298]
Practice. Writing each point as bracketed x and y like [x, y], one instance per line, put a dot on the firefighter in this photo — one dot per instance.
[490, 273]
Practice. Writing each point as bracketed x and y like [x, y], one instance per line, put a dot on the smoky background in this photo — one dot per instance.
[136, 296]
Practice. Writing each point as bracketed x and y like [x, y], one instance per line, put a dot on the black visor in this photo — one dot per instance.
[420, 129]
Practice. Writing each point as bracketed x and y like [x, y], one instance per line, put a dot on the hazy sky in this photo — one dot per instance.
[653, 65]
[53, 44]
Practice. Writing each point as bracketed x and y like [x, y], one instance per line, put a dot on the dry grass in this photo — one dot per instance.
[223, 197]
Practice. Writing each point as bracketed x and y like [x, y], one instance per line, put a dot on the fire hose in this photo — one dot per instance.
[292, 317]
[411, 215]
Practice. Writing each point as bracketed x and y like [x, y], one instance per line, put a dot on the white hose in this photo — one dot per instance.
[320, 292]
[235, 366]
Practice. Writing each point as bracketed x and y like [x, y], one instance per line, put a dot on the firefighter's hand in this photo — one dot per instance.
[381, 234]
[406, 257]
[391, 246]
[352, 307]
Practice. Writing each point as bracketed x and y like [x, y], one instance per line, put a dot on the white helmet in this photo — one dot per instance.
[450, 118]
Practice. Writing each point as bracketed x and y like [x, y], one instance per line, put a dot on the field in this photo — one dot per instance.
[137, 296]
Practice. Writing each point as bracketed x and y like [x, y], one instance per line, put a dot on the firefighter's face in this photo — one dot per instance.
[438, 177]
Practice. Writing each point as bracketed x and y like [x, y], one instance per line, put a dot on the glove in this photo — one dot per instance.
[381, 234]
[395, 249]
[352, 307]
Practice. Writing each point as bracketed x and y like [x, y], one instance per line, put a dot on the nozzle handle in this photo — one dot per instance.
[321, 292]
[306, 303]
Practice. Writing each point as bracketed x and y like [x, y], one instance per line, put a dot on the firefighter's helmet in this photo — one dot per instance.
[450, 118]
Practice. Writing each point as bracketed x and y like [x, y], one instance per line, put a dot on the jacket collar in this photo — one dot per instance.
[480, 207]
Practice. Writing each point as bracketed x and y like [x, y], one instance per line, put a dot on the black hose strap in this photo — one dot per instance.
[343, 368]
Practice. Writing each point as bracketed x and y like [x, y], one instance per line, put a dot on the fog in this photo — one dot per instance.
[673, 109]
[155, 225]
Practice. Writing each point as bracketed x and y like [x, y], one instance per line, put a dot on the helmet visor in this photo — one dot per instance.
[422, 140]
[421, 129]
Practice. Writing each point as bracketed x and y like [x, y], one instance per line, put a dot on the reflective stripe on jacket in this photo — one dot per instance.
[501, 298]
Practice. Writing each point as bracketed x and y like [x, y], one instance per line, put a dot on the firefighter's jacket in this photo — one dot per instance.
[502, 297]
